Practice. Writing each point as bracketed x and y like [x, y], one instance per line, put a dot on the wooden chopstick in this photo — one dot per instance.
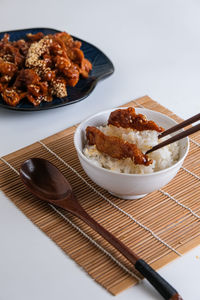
[180, 125]
[175, 138]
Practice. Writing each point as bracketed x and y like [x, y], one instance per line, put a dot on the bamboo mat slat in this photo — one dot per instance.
[158, 227]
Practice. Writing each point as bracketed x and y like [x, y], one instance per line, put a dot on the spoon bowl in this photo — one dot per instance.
[46, 182]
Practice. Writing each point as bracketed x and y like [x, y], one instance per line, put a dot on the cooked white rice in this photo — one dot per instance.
[162, 158]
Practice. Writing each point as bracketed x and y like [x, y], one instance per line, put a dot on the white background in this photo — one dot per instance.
[155, 48]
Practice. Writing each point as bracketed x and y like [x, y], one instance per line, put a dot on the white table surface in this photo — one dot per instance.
[155, 48]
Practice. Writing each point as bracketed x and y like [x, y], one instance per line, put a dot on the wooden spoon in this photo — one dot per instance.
[46, 182]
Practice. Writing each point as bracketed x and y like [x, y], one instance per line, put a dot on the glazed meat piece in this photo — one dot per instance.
[62, 64]
[22, 46]
[68, 40]
[127, 118]
[26, 77]
[7, 68]
[85, 68]
[75, 54]
[115, 147]
[36, 50]
[9, 52]
[36, 90]
[59, 87]
[11, 96]
[35, 37]
[18, 58]
[72, 75]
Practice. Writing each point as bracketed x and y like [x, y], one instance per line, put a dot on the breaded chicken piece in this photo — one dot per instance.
[127, 118]
[115, 147]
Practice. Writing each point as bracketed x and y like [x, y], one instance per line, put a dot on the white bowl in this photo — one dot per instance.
[127, 186]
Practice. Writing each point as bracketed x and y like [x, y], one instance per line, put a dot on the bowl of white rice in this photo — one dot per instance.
[122, 177]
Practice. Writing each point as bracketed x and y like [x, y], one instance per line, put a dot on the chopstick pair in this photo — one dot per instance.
[180, 135]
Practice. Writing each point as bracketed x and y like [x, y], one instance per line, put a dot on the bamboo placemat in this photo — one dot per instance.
[159, 227]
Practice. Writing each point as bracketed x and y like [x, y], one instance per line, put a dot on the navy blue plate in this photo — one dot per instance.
[101, 67]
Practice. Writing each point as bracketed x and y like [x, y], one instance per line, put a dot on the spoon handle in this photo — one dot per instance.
[160, 284]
